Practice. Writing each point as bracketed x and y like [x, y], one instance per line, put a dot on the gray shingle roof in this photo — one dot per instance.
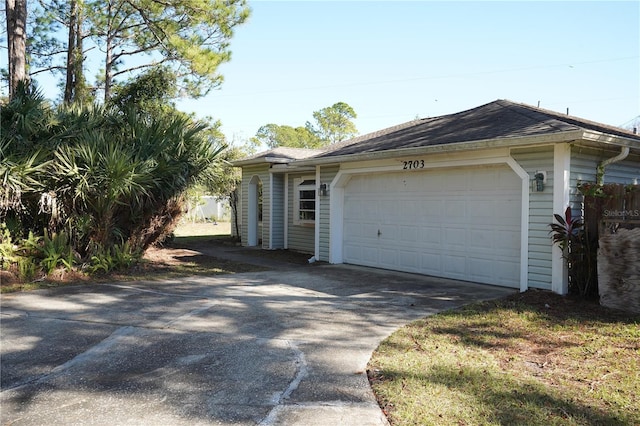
[495, 120]
[280, 154]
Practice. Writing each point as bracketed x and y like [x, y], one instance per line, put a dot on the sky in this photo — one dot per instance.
[395, 61]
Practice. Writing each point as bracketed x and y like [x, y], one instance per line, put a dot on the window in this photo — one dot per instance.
[304, 201]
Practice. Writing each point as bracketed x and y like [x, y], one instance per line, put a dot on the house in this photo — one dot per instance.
[467, 196]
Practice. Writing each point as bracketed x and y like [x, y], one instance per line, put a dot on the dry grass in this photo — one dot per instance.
[534, 359]
[192, 229]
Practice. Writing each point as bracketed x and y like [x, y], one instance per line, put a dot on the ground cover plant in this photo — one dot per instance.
[183, 256]
[534, 358]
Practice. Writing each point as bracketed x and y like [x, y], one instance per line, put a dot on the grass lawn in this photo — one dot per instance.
[531, 359]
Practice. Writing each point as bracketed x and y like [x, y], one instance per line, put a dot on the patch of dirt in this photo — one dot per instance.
[7, 278]
[184, 255]
[167, 256]
[564, 307]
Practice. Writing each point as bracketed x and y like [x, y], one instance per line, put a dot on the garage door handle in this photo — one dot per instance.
[379, 233]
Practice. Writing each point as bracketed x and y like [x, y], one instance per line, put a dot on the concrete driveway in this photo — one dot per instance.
[279, 347]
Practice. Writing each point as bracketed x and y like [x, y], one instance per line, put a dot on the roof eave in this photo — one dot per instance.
[559, 137]
[261, 160]
[608, 139]
[291, 168]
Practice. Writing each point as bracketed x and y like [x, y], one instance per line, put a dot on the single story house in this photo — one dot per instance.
[467, 196]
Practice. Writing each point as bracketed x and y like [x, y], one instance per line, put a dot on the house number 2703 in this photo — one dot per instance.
[412, 164]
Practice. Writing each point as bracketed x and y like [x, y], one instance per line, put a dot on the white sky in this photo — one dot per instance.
[392, 61]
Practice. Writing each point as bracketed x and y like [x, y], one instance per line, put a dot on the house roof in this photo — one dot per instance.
[278, 155]
[501, 119]
[498, 123]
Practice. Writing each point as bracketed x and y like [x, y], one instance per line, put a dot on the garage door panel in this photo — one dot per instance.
[352, 252]
[479, 181]
[388, 258]
[370, 255]
[483, 209]
[370, 230]
[505, 239]
[409, 260]
[503, 214]
[430, 208]
[456, 223]
[408, 233]
[351, 207]
[455, 238]
[455, 266]
[456, 182]
[480, 269]
[431, 235]
[455, 210]
[481, 239]
[431, 263]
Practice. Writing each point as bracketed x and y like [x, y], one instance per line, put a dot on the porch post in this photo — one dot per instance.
[561, 185]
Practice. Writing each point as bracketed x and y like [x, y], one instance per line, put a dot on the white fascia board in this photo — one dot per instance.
[263, 160]
[448, 148]
[288, 168]
[434, 160]
[607, 139]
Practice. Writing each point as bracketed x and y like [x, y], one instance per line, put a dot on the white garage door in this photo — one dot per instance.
[461, 223]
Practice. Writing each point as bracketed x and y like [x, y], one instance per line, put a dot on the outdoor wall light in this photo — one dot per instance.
[324, 191]
[539, 179]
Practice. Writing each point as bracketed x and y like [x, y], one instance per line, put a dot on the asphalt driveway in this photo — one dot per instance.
[278, 347]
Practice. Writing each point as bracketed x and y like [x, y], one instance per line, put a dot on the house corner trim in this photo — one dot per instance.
[561, 184]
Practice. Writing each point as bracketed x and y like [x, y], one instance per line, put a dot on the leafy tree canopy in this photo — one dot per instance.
[124, 37]
[273, 135]
[332, 124]
[152, 91]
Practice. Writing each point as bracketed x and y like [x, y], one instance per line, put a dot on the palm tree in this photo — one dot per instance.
[103, 175]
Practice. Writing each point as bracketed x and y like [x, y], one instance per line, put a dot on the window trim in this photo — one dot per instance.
[300, 185]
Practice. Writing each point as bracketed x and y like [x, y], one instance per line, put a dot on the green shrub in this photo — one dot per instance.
[118, 256]
[27, 268]
[8, 249]
[87, 177]
[57, 252]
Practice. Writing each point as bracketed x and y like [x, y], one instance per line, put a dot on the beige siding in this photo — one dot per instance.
[299, 237]
[248, 172]
[584, 163]
[327, 174]
[626, 172]
[277, 212]
[540, 214]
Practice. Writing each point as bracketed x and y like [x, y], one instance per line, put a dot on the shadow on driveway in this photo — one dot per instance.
[276, 347]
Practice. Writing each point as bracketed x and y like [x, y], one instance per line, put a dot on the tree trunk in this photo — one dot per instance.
[233, 202]
[80, 86]
[72, 51]
[16, 11]
[75, 88]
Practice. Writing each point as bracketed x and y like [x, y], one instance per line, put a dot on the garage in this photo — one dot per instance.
[459, 223]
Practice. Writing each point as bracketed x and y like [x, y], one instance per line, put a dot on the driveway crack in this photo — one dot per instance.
[302, 371]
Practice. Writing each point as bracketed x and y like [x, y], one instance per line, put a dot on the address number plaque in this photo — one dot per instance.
[412, 164]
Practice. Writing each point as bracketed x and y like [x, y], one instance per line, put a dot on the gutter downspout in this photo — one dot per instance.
[601, 167]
